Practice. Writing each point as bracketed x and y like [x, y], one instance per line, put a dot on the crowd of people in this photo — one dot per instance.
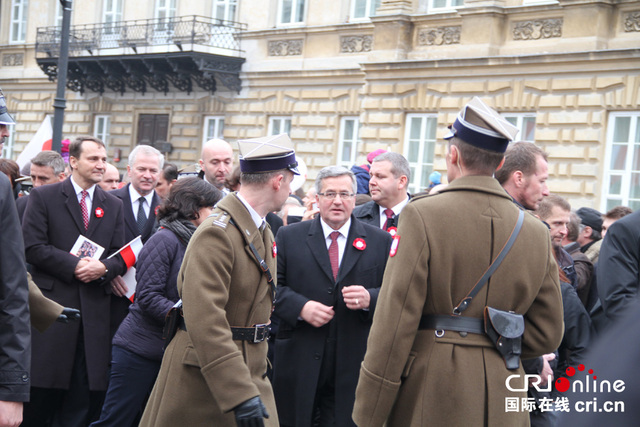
[250, 304]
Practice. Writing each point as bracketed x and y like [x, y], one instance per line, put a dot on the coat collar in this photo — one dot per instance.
[486, 184]
[73, 206]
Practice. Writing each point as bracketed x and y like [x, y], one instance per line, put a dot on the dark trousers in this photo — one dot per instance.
[76, 407]
[132, 378]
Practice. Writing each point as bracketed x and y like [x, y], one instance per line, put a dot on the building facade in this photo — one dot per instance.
[343, 78]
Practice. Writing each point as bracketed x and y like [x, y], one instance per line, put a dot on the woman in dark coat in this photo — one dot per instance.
[138, 344]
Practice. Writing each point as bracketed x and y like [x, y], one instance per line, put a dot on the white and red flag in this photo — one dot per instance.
[129, 254]
[41, 141]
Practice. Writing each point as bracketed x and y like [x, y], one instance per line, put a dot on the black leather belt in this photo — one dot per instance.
[443, 322]
[254, 334]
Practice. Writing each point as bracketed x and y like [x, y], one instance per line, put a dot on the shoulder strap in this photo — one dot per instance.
[262, 263]
[492, 268]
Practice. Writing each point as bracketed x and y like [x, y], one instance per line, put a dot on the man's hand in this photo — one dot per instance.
[547, 373]
[356, 297]
[309, 214]
[251, 413]
[119, 287]
[316, 313]
[89, 269]
[68, 314]
[10, 414]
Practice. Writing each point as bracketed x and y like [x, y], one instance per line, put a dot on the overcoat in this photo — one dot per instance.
[304, 273]
[413, 377]
[51, 225]
[618, 270]
[205, 374]
[15, 335]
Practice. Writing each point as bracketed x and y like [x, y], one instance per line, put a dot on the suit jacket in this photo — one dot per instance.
[304, 273]
[130, 217]
[15, 335]
[52, 224]
[120, 305]
[412, 376]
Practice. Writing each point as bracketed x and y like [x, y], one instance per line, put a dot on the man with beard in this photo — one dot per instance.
[216, 163]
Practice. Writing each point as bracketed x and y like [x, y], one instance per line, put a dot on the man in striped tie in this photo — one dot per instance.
[70, 362]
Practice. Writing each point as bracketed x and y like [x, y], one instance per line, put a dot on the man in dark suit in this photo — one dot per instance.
[329, 275]
[47, 167]
[139, 201]
[390, 175]
[70, 362]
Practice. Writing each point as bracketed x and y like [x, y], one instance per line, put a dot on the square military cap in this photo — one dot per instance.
[481, 126]
[5, 118]
[267, 154]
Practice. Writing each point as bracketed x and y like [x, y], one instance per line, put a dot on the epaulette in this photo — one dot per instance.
[220, 219]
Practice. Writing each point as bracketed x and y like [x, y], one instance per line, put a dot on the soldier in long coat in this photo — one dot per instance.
[413, 376]
[209, 373]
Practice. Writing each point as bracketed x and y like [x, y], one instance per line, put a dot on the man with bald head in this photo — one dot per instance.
[111, 178]
[216, 162]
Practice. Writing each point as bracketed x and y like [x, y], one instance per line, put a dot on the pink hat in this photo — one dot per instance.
[372, 155]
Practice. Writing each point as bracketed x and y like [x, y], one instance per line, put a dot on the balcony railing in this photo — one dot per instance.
[138, 36]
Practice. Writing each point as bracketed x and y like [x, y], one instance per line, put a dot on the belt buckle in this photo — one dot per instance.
[257, 336]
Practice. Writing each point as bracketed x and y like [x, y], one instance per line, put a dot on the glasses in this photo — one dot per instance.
[332, 195]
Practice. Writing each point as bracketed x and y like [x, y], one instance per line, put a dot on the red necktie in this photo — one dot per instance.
[83, 208]
[389, 214]
[334, 256]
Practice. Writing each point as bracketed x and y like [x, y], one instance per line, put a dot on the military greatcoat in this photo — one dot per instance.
[412, 377]
[204, 372]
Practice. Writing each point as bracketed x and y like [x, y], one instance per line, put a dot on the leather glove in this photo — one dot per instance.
[251, 413]
[68, 314]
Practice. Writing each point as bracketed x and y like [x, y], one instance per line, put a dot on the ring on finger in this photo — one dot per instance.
[357, 301]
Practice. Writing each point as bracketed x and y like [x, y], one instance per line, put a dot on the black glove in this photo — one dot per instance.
[251, 413]
[68, 314]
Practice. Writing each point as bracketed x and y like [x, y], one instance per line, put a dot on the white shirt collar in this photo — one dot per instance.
[396, 209]
[255, 216]
[327, 230]
[79, 189]
[134, 195]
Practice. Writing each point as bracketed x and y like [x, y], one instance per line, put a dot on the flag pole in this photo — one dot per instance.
[59, 102]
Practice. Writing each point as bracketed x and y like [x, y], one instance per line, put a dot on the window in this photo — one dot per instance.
[111, 14]
[419, 148]
[213, 128]
[349, 142]
[18, 21]
[526, 123]
[278, 125]
[225, 10]
[290, 12]
[364, 8]
[165, 10]
[7, 148]
[442, 5]
[102, 128]
[58, 17]
[621, 184]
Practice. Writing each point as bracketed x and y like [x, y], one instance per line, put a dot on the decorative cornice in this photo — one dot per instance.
[537, 29]
[439, 36]
[285, 47]
[632, 21]
[12, 59]
[356, 44]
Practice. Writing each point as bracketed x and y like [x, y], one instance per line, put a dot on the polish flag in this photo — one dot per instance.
[41, 141]
[130, 251]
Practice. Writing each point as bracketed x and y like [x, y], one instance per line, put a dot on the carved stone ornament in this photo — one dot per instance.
[12, 59]
[632, 22]
[355, 44]
[439, 36]
[537, 29]
[285, 47]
